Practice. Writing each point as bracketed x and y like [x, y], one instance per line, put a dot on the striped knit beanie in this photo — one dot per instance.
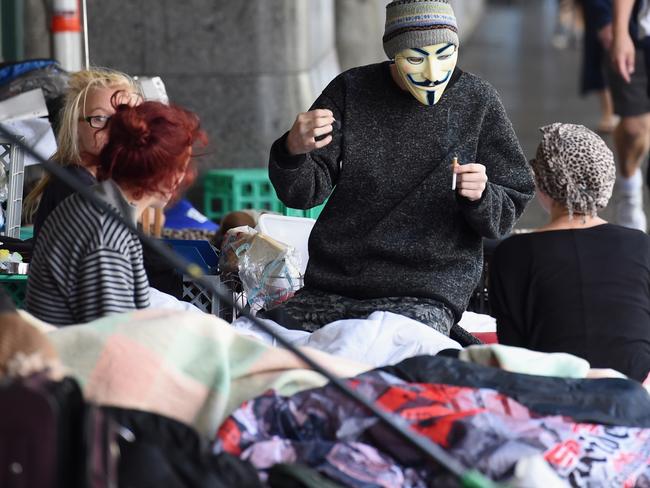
[574, 167]
[418, 23]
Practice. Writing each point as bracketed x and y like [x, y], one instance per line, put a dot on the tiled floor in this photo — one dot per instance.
[538, 83]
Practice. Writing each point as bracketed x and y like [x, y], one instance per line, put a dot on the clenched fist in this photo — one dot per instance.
[307, 127]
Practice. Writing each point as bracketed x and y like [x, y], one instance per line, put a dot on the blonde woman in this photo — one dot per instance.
[81, 137]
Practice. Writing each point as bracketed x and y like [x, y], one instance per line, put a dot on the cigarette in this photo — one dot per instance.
[454, 163]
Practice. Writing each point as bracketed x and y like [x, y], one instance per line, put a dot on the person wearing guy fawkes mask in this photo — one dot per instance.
[381, 139]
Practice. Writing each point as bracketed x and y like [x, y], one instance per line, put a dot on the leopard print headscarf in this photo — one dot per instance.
[575, 168]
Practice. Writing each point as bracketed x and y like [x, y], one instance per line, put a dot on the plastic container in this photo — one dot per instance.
[26, 233]
[310, 213]
[16, 286]
[293, 231]
[12, 159]
[197, 252]
[14, 268]
[228, 190]
[209, 302]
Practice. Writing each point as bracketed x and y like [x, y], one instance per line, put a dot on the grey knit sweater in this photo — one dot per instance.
[393, 226]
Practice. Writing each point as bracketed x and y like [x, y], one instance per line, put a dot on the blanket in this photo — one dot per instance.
[382, 339]
[479, 427]
[192, 367]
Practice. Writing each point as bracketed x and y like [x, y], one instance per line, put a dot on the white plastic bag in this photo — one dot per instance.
[268, 270]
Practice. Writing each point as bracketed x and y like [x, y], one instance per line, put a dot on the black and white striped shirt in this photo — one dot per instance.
[86, 264]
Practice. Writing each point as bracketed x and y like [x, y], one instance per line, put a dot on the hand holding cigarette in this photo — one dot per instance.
[469, 180]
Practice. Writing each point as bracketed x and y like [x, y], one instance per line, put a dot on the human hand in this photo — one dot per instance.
[606, 36]
[307, 127]
[622, 55]
[471, 180]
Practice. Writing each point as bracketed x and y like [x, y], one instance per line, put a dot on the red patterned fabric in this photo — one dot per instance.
[481, 428]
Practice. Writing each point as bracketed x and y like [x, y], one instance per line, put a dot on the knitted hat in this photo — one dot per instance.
[574, 167]
[418, 23]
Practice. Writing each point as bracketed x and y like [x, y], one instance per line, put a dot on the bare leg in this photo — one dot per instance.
[632, 142]
[577, 23]
[608, 120]
[563, 24]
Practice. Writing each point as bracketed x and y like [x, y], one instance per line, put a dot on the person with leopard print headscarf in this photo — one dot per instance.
[578, 284]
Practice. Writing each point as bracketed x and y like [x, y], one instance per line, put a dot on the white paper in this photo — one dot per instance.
[24, 106]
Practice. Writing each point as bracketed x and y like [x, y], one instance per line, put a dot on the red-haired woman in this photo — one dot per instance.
[96, 269]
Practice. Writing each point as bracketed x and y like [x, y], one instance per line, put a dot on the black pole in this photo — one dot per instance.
[430, 450]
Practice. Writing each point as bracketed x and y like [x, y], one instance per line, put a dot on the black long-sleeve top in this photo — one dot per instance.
[580, 291]
[56, 191]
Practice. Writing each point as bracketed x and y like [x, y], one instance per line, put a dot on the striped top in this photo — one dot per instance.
[86, 264]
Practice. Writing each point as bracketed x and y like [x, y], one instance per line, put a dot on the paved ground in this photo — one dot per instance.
[538, 83]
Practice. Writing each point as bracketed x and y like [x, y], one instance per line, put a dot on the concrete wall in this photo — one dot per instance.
[246, 67]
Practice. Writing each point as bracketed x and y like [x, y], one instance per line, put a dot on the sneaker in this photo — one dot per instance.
[560, 40]
[629, 211]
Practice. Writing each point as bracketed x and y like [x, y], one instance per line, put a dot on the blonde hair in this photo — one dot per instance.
[67, 138]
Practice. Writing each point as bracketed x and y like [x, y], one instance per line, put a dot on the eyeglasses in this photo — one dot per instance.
[97, 121]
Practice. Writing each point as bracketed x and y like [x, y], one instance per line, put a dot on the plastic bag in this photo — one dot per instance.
[28, 75]
[268, 270]
[235, 242]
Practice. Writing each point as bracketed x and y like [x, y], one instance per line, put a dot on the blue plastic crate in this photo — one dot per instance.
[198, 252]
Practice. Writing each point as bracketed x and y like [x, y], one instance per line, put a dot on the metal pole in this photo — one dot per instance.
[430, 451]
[84, 8]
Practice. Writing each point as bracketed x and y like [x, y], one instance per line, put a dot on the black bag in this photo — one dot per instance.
[161, 451]
[50, 439]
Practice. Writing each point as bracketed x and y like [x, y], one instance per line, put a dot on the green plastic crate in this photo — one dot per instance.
[15, 286]
[310, 213]
[26, 233]
[228, 190]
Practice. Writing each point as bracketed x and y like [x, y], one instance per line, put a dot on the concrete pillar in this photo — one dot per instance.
[37, 34]
[246, 67]
[359, 29]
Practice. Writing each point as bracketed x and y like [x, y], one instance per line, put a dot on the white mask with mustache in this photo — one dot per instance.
[426, 71]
